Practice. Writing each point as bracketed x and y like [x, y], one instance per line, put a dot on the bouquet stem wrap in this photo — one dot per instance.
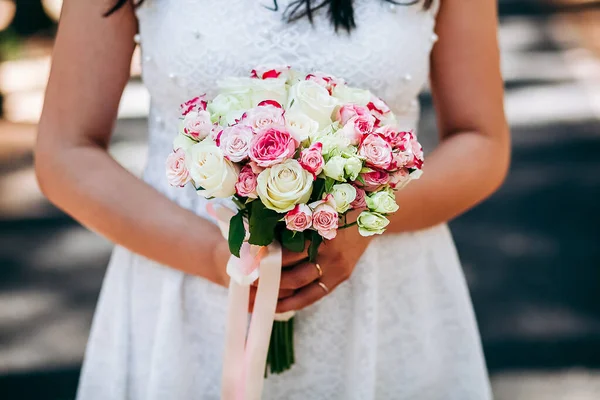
[246, 350]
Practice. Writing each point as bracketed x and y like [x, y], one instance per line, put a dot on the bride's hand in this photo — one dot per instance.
[303, 283]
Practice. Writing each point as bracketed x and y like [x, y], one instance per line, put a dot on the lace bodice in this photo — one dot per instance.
[188, 45]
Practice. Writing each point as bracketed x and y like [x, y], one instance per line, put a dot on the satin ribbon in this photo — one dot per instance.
[245, 358]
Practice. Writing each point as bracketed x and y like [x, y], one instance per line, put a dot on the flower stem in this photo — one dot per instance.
[348, 225]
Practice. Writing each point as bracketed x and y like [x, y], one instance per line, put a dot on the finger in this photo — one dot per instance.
[302, 298]
[283, 293]
[292, 257]
[299, 276]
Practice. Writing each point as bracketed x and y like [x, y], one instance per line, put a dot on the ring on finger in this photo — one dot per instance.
[319, 270]
[323, 286]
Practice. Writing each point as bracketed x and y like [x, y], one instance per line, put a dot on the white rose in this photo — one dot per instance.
[233, 117]
[370, 223]
[240, 88]
[343, 194]
[224, 104]
[383, 202]
[212, 173]
[300, 126]
[334, 168]
[269, 89]
[346, 94]
[183, 142]
[284, 185]
[312, 99]
[333, 143]
[353, 167]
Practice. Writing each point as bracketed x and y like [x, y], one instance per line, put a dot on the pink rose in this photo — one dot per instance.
[376, 151]
[391, 135]
[234, 141]
[195, 104]
[270, 103]
[379, 109]
[325, 218]
[357, 122]
[264, 116]
[197, 124]
[410, 151]
[269, 71]
[299, 218]
[255, 167]
[349, 111]
[359, 202]
[246, 184]
[374, 180]
[417, 151]
[357, 128]
[312, 160]
[271, 147]
[327, 81]
[215, 134]
[401, 159]
[177, 173]
[399, 179]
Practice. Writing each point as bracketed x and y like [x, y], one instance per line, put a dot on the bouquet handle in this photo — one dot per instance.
[245, 359]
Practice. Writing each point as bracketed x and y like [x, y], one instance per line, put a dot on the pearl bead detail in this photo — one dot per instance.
[392, 8]
[172, 76]
[434, 37]
[137, 39]
[147, 59]
[407, 78]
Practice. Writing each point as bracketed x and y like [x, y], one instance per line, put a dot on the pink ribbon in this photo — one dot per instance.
[245, 358]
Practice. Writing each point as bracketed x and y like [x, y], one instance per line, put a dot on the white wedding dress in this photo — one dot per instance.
[402, 327]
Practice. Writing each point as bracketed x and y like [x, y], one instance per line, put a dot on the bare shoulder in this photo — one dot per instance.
[465, 68]
[90, 67]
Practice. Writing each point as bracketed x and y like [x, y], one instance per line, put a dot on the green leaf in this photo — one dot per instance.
[262, 224]
[313, 249]
[329, 182]
[237, 232]
[318, 188]
[293, 241]
[361, 180]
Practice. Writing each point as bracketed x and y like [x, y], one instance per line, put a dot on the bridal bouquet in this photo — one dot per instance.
[294, 152]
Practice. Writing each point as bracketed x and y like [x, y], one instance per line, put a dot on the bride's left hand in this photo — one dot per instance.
[303, 283]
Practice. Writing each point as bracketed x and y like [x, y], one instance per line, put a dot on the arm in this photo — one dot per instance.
[90, 69]
[469, 164]
[472, 159]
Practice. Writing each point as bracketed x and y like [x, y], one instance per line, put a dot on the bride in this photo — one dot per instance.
[390, 317]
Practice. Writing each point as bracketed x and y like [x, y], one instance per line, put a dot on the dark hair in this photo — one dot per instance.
[341, 12]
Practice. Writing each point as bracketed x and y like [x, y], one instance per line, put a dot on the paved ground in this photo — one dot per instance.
[530, 253]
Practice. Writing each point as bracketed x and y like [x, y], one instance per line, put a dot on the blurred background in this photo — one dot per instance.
[531, 253]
